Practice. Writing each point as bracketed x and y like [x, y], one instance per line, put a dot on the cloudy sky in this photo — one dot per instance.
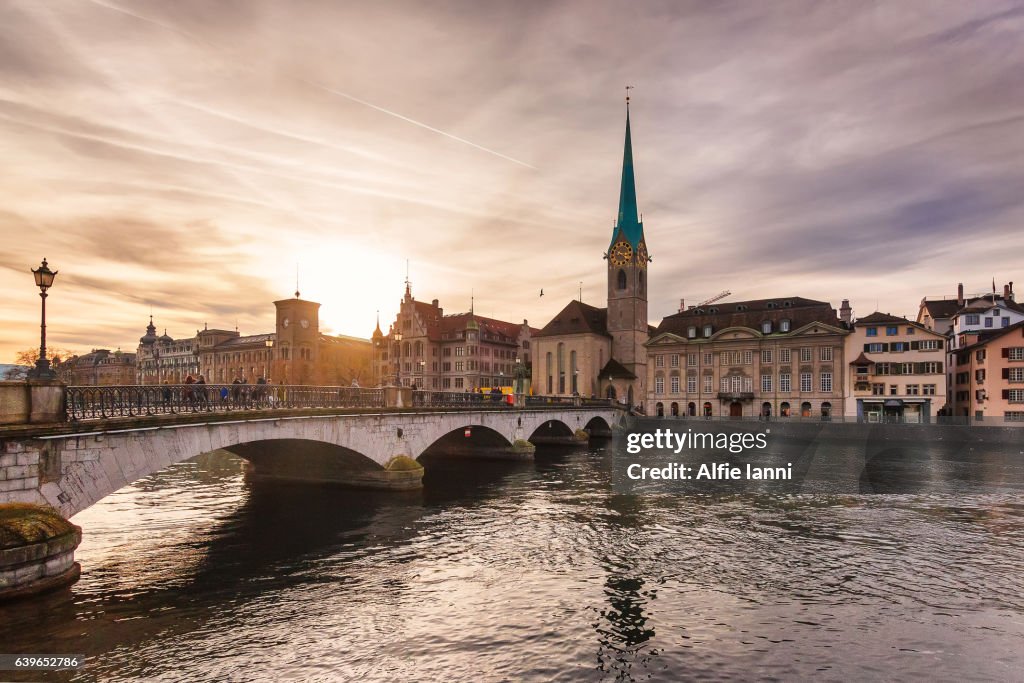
[183, 157]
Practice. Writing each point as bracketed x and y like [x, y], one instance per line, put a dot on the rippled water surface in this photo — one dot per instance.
[530, 571]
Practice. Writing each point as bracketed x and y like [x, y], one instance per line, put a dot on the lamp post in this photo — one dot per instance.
[44, 280]
[270, 357]
[398, 356]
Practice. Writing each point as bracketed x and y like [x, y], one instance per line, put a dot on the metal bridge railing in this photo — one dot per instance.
[100, 402]
[89, 402]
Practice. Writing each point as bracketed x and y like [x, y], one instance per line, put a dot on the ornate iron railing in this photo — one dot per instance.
[101, 402]
[89, 402]
[460, 399]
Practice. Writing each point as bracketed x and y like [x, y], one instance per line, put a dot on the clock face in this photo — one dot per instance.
[286, 322]
[304, 323]
[621, 254]
[641, 255]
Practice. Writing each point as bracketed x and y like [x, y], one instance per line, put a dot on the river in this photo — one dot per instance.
[530, 571]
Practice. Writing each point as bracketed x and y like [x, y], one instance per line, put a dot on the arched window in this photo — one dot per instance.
[766, 409]
[573, 371]
[642, 282]
[660, 408]
[548, 368]
[784, 409]
[675, 409]
[621, 279]
[826, 410]
[691, 409]
[805, 409]
[707, 408]
[561, 368]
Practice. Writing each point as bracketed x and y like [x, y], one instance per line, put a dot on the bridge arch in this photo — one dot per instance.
[307, 460]
[468, 439]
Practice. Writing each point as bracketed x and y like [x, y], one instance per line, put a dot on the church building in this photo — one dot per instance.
[594, 351]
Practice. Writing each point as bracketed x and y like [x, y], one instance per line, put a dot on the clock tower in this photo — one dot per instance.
[296, 341]
[627, 279]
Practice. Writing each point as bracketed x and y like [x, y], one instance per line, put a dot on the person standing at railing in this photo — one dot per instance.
[259, 393]
[204, 397]
[236, 391]
[190, 394]
[165, 395]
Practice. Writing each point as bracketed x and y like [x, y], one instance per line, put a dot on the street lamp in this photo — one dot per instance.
[44, 280]
[398, 356]
[270, 358]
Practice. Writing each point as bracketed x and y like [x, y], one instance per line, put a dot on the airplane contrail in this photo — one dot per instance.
[414, 122]
[314, 84]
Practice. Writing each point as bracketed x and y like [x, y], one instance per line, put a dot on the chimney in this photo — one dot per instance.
[1011, 291]
[682, 305]
[960, 294]
[434, 303]
[845, 312]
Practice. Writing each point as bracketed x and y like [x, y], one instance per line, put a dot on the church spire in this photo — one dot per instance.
[628, 225]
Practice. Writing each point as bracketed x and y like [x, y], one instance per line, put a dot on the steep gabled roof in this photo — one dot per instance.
[614, 368]
[577, 318]
[941, 309]
[991, 335]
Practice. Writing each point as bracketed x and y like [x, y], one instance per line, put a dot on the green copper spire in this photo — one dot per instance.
[628, 225]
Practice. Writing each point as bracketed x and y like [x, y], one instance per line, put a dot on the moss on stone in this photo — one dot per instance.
[523, 446]
[402, 463]
[581, 435]
[26, 524]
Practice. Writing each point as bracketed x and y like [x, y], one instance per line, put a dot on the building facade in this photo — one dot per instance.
[769, 357]
[989, 376]
[897, 371]
[462, 352]
[100, 367]
[296, 352]
[602, 351]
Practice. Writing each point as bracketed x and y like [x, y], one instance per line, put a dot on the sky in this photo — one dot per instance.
[187, 158]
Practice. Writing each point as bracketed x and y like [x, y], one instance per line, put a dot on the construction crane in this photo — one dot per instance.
[720, 295]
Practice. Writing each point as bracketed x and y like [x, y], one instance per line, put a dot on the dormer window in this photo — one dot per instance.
[707, 330]
[784, 325]
[741, 307]
[713, 309]
[766, 327]
[772, 304]
[691, 331]
[787, 304]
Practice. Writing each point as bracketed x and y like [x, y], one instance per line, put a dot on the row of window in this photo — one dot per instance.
[767, 327]
[890, 331]
[745, 357]
[742, 384]
[900, 347]
[878, 389]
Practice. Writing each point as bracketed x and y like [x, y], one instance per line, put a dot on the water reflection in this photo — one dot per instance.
[537, 571]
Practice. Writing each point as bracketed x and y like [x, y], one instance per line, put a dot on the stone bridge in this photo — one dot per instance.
[71, 466]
